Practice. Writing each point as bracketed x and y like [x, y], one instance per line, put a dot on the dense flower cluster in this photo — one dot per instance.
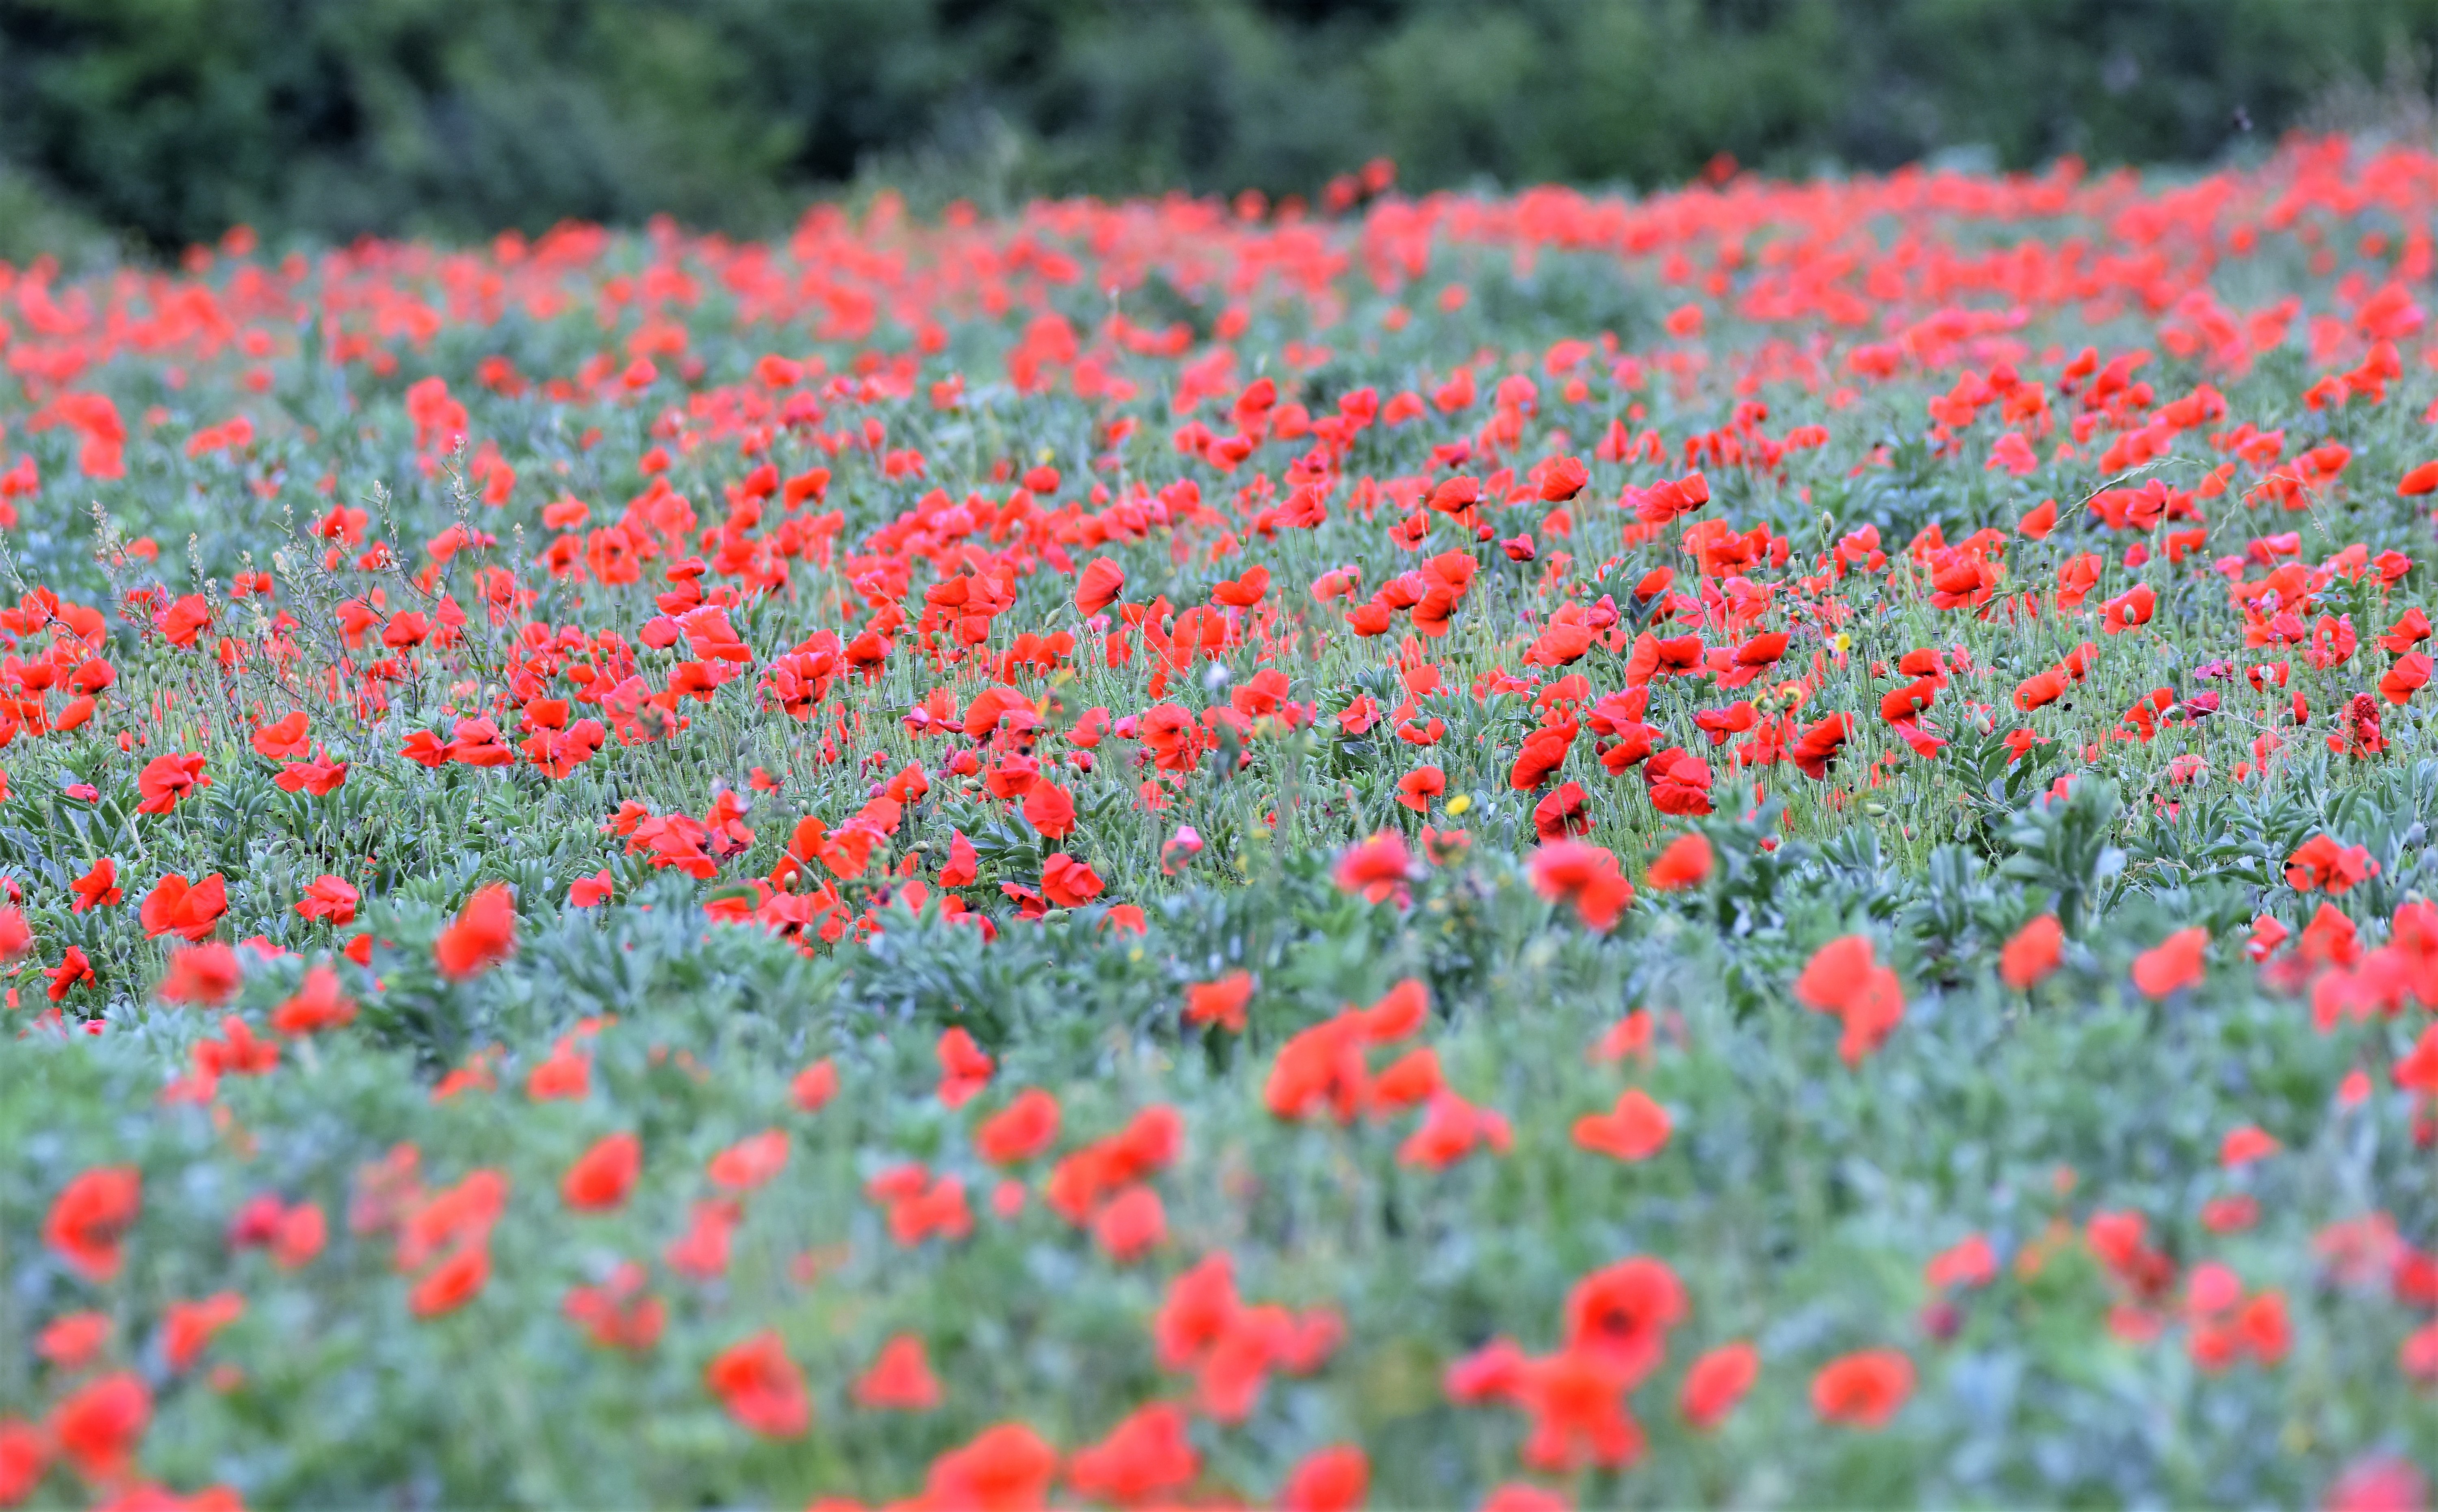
[1766, 841]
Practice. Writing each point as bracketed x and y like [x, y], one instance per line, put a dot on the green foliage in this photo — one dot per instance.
[328, 118]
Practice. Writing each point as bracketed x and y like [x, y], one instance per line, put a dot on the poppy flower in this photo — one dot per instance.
[89, 1217]
[1098, 586]
[1679, 783]
[761, 1387]
[899, 1379]
[1019, 1132]
[1004, 1468]
[1862, 1390]
[205, 974]
[332, 898]
[2175, 962]
[177, 907]
[1416, 789]
[1220, 1002]
[1130, 1225]
[1050, 809]
[74, 970]
[188, 1326]
[965, 1068]
[1375, 867]
[603, 1176]
[97, 888]
[167, 780]
[1584, 875]
[2032, 953]
[1623, 1313]
[1686, 863]
[283, 739]
[751, 1162]
[1147, 1452]
[1067, 882]
[813, 1087]
[1330, 1480]
[1715, 1383]
[97, 1427]
[484, 935]
[455, 1281]
[1635, 1129]
[1843, 978]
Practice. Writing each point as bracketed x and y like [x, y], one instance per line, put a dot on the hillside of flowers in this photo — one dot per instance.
[1766, 846]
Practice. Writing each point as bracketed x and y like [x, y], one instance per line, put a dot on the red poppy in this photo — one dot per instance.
[97, 887]
[2032, 953]
[1005, 1468]
[1635, 1129]
[1686, 863]
[761, 1387]
[484, 935]
[603, 1176]
[1019, 1132]
[2174, 964]
[165, 780]
[900, 1378]
[1376, 868]
[1862, 1390]
[89, 1217]
[1842, 978]
[97, 1425]
[177, 907]
[1149, 1451]
[1330, 1480]
[1220, 1002]
[1715, 1383]
[1584, 875]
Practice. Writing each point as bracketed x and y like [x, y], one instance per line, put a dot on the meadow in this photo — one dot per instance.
[1767, 845]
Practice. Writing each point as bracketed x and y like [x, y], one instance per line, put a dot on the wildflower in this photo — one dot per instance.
[316, 1006]
[97, 1425]
[484, 935]
[180, 907]
[1622, 1312]
[964, 1069]
[1147, 1452]
[750, 1162]
[97, 888]
[1376, 868]
[1686, 863]
[2032, 953]
[1635, 1129]
[1220, 1002]
[900, 1378]
[1715, 1383]
[1862, 1390]
[167, 780]
[1330, 1480]
[89, 1217]
[2173, 964]
[603, 1176]
[1024, 1129]
[761, 1387]
[1842, 978]
[1584, 875]
[1005, 1468]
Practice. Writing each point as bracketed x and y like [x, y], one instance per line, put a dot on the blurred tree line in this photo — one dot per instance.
[169, 120]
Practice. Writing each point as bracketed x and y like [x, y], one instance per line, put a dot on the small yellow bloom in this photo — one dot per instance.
[1457, 805]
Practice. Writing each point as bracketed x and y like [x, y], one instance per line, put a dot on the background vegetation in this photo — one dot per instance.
[174, 119]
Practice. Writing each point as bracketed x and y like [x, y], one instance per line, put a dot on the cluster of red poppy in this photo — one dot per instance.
[921, 582]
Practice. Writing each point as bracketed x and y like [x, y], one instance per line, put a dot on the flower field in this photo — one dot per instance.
[1764, 846]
